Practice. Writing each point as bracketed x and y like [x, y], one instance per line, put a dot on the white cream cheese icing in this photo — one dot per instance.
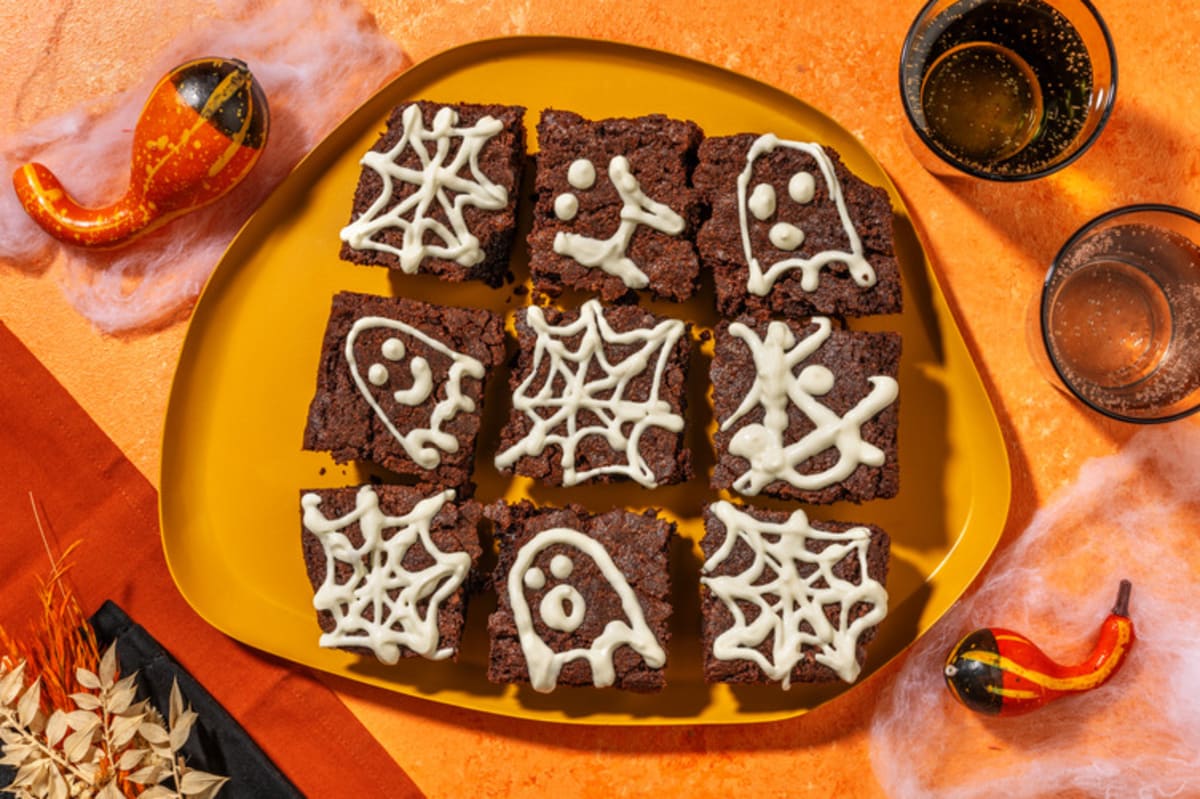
[423, 444]
[563, 608]
[790, 587]
[776, 384]
[611, 254]
[566, 391]
[383, 606]
[445, 150]
[801, 188]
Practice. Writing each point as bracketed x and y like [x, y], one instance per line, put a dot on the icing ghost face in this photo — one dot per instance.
[759, 203]
[559, 604]
[383, 368]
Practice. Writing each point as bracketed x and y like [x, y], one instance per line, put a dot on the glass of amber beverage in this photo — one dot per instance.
[1120, 313]
[1006, 89]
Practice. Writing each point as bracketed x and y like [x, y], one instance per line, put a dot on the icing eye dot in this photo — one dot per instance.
[762, 201]
[816, 380]
[535, 579]
[393, 349]
[581, 173]
[563, 608]
[561, 566]
[802, 187]
[786, 236]
[566, 206]
[377, 374]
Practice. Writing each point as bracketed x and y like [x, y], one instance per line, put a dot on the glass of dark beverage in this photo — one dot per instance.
[1120, 313]
[1006, 89]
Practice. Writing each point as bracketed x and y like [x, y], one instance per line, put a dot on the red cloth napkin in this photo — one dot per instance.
[86, 490]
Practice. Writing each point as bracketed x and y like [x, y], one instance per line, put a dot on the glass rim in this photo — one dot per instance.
[968, 169]
[1043, 310]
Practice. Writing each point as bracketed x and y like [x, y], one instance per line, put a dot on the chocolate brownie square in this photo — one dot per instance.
[793, 232]
[582, 599]
[400, 384]
[785, 599]
[391, 568]
[599, 395]
[615, 211]
[805, 411]
[438, 192]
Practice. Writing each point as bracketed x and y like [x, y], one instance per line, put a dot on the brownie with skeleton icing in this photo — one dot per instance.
[785, 599]
[599, 395]
[400, 383]
[792, 231]
[805, 410]
[582, 599]
[392, 568]
[615, 213]
[439, 190]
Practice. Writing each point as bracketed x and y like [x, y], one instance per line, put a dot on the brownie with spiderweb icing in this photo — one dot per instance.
[598, 396]
[439, 190]
[821, 585]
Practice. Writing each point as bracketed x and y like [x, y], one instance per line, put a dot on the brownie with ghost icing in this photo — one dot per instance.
[824, 581]
[406, 216]
[615, 213]
[777, 240]
[805, 410]
[599, 395]
[429, 544]
[400, 383]
[582, 599]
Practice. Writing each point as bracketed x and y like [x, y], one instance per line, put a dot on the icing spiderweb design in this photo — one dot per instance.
[788, 586]
[775, 385]
[383, 606]
[569, 390]
[439, 181]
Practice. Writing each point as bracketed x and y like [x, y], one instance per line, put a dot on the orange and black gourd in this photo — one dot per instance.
[999, 672]
[202, 129]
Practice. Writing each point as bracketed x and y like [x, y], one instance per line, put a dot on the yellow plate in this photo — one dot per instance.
[233, 468]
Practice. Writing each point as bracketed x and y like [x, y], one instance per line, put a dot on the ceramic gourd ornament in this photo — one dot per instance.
[200, 132]
[999, 672]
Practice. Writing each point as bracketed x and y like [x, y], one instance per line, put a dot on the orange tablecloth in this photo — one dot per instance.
[989, 245]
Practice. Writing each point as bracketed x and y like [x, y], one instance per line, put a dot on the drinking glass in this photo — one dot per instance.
[1006, 90]
[1120, 313]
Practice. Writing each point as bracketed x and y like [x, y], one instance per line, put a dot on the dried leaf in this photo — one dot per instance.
[89, 770]
[131, 759]
[31, 700]
[110, 791]
[56, 727]
[181, 728]
[11, 684]
[122, 729]
[121, 697]
[157, 792]
[153, 733]
[78, 745]
[176, 703]
[58, 787]
[82, 720]
[85, 701]
[16, 755]
[196, 782]
[148, 775]
[30, 774]
[108, 666]
[87, 679]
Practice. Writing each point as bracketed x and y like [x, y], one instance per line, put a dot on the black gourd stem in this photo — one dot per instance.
[1122, 606]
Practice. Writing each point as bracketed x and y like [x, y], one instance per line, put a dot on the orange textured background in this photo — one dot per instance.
[989, 245]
